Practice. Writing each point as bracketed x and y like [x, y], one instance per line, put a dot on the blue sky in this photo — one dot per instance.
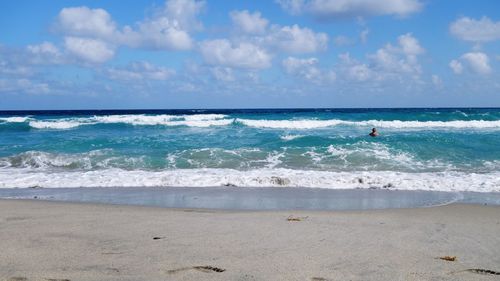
[249, 54]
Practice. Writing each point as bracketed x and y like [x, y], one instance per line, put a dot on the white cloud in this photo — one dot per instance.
[44, 48]
[183, 13]
[304, 66]
[410, 45]
[292, 64]
[224, 74]
[478, 62]
[91, 50]
[45, 53]
[12, 69]
[23, 85]
[332, 9]
[360, 72]
[401, 58]
[83, 21]
[158, 33]
[140, 70]
[308, 69]
[242, 55]
[296, 40]
[392, 62]
[456, 66]
[293, 7]
[249, 23]
[167, 28]
[482, 30]
[354, 70]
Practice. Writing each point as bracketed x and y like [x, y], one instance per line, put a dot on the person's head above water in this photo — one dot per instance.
[374, 132]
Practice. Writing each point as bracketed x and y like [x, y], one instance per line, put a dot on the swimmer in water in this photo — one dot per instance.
[374, 133]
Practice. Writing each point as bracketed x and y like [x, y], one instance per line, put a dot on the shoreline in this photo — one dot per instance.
[43, 240]
[238, 198]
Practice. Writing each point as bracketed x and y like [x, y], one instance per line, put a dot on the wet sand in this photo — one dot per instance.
[254, 198]
[42, 240]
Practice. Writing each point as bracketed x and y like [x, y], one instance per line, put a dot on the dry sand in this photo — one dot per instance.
[42, 240]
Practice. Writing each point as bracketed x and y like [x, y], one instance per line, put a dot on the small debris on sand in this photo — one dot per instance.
[203, 268]
[209, 268]
[448, 258]
[292, 218]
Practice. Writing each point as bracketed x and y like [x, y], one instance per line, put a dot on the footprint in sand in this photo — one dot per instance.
[483, 271]
[26, 279]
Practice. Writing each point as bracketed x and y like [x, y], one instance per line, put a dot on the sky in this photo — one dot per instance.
[144, 54]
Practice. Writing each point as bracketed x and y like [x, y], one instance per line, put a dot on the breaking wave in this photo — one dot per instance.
[396, 124]
[197, 120]
[208, 120]
[351, 157]
[95, 159]
[14, 119]
[441, 181]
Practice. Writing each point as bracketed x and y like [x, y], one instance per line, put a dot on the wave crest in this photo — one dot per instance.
[196, 120]
[46, 161]
[15, 119]
[394, 124]
[208, 120]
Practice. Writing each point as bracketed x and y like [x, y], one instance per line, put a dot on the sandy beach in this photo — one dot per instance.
[43, 240]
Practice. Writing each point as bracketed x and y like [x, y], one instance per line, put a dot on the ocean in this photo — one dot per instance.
[418, 149]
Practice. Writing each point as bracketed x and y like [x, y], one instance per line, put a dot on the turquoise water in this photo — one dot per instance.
[428, 149]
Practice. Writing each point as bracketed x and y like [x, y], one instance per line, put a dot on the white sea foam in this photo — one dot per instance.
[383, 153]
[220, 158]
[15, 119]
[207, 120]
[200, 123]
[396, 124]
[46, 161]
[458, 124]
[273, 159]
[58, 125]
[441, 181]
[134, 119]
[163, 119]
[290, 137]
[290, 124]
[197, 120]
[202, 117]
